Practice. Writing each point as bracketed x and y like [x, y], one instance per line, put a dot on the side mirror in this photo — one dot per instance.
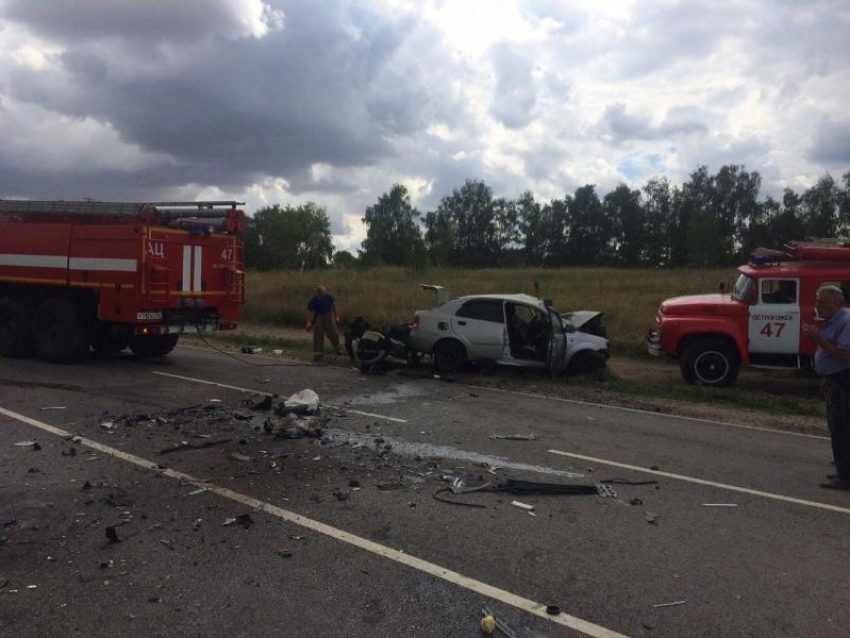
[722, 287]
[754, 296]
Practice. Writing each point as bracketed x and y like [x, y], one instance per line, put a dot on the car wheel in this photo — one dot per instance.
[710, 362]
[15, 333]
[586, 362]
[449, 356]
[370, 350]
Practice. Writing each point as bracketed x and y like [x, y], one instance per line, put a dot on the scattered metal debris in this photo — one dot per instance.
[515, 437]
[523, 506]
[651, 517]
[620, 481]
[263, 406]
[185, 445]
[605, 491]
[112, 535]
[244, 520]
[305, 399]
[678, 602]
[507, 629]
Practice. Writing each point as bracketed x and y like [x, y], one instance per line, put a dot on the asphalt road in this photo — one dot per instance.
[344, 536]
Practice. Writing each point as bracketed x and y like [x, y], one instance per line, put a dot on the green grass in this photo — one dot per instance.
[629, 298]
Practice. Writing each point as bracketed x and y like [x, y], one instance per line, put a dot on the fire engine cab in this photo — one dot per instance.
[76, 276]
[758, 321]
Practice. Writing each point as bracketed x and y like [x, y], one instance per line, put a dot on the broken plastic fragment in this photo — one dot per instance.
[305, 398]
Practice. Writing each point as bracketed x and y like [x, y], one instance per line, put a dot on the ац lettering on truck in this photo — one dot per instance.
[758, 321]
[104, 276]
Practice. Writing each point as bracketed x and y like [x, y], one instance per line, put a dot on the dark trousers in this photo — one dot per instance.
[836, 389]
[324, 325]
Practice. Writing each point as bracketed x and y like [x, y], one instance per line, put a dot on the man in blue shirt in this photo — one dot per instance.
[832, 362]
[322, 318]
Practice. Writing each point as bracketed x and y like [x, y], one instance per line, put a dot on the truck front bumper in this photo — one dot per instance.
[653, 343]
[177, 329]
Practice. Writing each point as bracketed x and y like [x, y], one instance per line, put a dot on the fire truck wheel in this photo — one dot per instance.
[58, 332]
[153, 346]
[110, 338]
[15, 335]
[711, 362]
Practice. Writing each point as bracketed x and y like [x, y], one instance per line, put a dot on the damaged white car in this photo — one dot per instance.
[513, 330]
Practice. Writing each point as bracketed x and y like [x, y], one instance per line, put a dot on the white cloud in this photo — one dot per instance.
[282, 101]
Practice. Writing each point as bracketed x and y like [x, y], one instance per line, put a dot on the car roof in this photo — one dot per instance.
[517, 298]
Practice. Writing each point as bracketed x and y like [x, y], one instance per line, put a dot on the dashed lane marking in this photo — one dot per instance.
[269, 394]
[397, 556]
[609, 406]
[698, 481]
[648, 413]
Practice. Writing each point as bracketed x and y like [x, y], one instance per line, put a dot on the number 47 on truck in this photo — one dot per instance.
[758, 322]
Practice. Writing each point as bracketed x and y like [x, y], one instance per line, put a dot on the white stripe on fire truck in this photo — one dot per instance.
[74, 263]
[198, 268]
[34, 261]
[98, 263]
[187, 268]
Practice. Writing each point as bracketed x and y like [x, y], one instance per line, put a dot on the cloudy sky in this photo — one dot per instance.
[333, 101]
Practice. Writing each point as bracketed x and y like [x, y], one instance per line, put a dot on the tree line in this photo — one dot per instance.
[710, 220]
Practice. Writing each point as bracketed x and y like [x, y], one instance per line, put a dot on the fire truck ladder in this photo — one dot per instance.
[117, 209]
[236, 289]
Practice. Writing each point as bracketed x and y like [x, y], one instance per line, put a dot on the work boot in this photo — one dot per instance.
[837, 484]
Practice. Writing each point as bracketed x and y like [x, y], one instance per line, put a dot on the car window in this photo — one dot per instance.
[778, 291]
[483, 310]
[742, 288]
[527, 313]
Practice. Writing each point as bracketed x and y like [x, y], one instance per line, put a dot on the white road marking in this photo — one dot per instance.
[397, 556]
[647, 412]
[698, 481]
[609, 406]
[270, 394]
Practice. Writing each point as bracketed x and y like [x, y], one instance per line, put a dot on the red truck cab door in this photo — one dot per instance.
[774, 318]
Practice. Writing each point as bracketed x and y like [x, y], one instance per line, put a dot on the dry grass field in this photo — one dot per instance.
[629, 298]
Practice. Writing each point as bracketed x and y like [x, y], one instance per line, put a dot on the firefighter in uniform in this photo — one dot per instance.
[322, 319]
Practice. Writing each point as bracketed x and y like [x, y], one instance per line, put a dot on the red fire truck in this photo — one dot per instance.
[758, 322]
[109, 275]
